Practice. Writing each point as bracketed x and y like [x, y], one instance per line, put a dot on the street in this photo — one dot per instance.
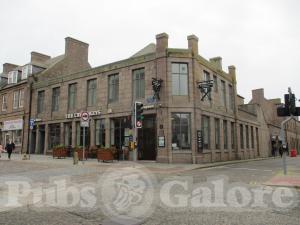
[94, 179]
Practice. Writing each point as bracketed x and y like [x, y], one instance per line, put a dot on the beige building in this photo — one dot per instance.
[179, 128]
[269, 106]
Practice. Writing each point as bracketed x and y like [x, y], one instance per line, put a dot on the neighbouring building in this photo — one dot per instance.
[179, 128]
[269, 108]
[16, 86]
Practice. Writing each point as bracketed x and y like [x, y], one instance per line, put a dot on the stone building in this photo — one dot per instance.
[269, 108]
[15, 91]
[179, 128]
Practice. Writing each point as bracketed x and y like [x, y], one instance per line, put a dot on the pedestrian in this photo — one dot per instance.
[280, 151]
[9, 148]
[1, 149]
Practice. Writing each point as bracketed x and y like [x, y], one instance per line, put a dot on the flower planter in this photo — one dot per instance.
[60, 152]
[105, 155]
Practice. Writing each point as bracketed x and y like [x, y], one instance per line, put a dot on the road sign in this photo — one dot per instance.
[84, 123]
[31, 123]
[138, 124]
[85, 116]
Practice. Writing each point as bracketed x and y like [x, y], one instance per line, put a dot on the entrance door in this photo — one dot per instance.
[41, 146]
[147, 138]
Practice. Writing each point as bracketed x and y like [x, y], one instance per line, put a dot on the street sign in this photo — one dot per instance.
[85, 116]
[84, 123]
[31, 124]
[139, 124]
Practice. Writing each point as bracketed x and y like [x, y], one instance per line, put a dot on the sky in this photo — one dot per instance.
[260, 37]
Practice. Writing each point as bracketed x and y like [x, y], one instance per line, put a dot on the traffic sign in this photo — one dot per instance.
[85, 116]
[31, 123]
[139, 124]
[84, 123]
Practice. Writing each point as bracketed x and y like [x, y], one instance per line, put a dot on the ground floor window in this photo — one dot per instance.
[217, 133]
[17, 137]
[181, 131]
[54, 135]
[68, 134]
[100, 133]
[242, 136]
[206, 132]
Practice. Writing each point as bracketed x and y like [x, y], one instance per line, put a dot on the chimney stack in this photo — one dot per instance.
[193, 44]
[161, 42]
[217, 61]
[232, 73]
[75, 47]
[37, 57]
[7, 67]
[258, 95]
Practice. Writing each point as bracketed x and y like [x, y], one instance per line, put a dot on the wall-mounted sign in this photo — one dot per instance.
[161, 141]
[13, 125]
[78, 115]
[199, 141]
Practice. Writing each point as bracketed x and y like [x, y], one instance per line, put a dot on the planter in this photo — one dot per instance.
[105, 155]
[60, 152]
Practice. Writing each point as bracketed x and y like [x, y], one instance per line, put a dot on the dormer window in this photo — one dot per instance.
[12, 77]
[26, 70]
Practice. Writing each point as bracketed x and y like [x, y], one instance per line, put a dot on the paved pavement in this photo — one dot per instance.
[252, 175]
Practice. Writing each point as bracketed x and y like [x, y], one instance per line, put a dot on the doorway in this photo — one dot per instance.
[147, 139]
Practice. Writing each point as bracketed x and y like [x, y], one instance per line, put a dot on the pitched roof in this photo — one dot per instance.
[146, 50]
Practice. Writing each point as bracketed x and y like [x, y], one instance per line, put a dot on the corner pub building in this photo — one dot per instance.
[179, 128]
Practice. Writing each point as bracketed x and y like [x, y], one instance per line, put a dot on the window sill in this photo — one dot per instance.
[182, 151]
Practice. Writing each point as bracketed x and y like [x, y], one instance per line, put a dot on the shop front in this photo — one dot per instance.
[12, 131]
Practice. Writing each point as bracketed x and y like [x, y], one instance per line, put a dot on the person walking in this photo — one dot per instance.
[9, 148]
[1, 149]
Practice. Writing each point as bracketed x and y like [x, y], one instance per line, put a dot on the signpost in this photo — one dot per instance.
[84, 123]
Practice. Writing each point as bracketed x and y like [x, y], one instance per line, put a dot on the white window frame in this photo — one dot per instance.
[15, 99]
[13, 77]
[21, 98]
[26, 70]
[4, 103]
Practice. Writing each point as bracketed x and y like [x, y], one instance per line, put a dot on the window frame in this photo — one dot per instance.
[217, 133]
[181, 125]
[206, 146]
[180, 91]
[4, 102]
[138, 83]
[113, 88]
[72, 94]
[91, 89]
[55, 99]
[16, 99]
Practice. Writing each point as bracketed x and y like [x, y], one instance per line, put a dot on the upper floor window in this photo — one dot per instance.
[139, 83]
[40, 101]
[4, 103]
[21, 98]
[230, 90]
[206, 75]
[13, 77]
[113, 88]
[26, 70]
[16, 99]
[55, 99]
[223, 93]
[72, 96]
[179, 79]
[91, 92]
[215, 83]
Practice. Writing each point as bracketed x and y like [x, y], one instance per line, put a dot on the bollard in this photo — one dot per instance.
[75, 158]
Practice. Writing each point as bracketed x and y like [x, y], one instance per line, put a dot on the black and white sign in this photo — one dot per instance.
[85, 116]
[139, 124]
[161, 141]
[199, 141]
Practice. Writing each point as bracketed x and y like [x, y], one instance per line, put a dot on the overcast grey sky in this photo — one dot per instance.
[260, 37]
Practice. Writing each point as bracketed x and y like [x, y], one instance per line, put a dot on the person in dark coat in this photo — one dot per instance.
[9, 148]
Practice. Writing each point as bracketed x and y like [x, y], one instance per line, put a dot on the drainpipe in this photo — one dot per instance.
[29, 115]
